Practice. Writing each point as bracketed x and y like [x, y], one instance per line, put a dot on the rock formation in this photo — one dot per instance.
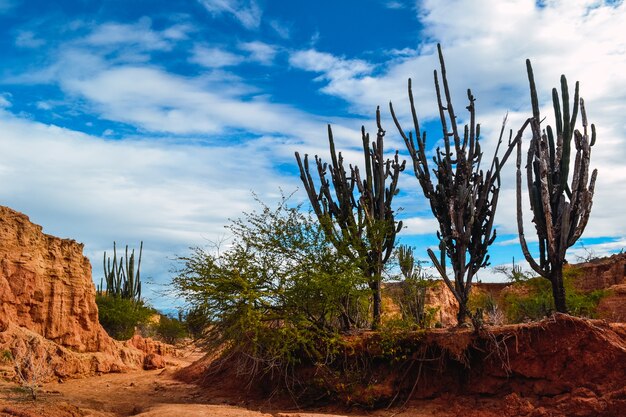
[601, 273]
[48, 307]
[46, 286]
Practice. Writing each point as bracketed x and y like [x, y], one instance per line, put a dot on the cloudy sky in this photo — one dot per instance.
[156, 120]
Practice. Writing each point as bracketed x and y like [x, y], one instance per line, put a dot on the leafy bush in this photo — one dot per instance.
[170, 330]
[120, 316]
[197, 321]
[279, 293]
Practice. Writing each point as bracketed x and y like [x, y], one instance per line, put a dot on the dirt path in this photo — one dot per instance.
[155, 394]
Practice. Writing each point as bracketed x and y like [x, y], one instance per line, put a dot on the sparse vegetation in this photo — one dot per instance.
[513, 273]
[122, 279]
[120, 307]
[532, 299]
[31, 365]
[412, 295]
[170, 329]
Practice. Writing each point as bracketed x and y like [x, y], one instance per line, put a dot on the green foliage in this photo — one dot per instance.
[196, 321]
[534, 300]
[171, 330]
[6, 356]
[481, 300]
[279, 293]
[119, 316]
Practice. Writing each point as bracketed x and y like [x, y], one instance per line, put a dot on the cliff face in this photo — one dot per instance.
[601, 273]
[46, 286]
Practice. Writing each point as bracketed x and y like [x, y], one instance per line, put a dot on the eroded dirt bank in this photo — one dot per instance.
[562, 366]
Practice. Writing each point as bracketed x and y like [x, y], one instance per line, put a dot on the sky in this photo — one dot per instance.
[158, 120]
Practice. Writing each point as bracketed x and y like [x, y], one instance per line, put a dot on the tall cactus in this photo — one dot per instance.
[560, 211]
[465, 197]
[121, 278]
[359, 222]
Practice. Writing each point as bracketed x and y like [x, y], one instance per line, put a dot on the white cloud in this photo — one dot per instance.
[260, 52]
[169, 194]
[138, 35]
[214, 57]
[485, 46]
[393, 4]
[4, 100]
[281, 29]
[420, 226]
[247, 12]
[339, 72]
[27, 39]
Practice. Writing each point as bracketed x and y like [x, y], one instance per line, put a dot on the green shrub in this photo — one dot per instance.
[197, 321]
[120, 316]
[539, 302]
[170, 330]
[279, 294]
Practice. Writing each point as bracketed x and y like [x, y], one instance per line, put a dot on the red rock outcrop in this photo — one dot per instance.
[601, 273]
[48, 307]
[46, 286]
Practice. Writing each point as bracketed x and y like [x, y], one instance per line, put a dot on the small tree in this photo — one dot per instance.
[465, 197]
[32, 365]
[359, 222]
[514, 273]
[560, 210]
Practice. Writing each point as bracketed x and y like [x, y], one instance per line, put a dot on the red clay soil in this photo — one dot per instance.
[562, 366]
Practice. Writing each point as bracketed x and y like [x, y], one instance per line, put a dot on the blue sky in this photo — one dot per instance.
[155, 120]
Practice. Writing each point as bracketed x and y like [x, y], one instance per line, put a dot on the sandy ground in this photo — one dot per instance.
[156, 394]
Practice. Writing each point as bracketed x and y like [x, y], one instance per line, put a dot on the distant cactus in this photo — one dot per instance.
[122, 280]
[358, 218]
[464, 197]
[412, 299]
[560, 211]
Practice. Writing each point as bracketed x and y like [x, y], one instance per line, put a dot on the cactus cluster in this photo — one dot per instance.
[463, 194]
[358, 219]
[560, 210]
[122, 279]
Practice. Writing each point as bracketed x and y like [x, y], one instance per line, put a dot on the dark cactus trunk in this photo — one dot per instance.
[558, 291]
[376, 302]
[461, 316]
